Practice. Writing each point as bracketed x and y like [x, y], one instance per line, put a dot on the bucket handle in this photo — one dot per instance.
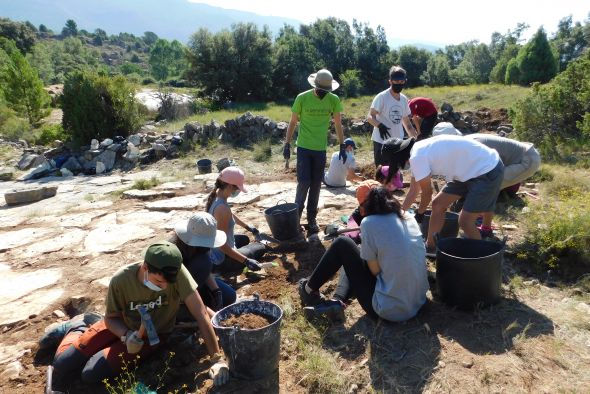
[278, 201]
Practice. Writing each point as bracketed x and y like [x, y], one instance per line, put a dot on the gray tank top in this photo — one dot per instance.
[217, 256]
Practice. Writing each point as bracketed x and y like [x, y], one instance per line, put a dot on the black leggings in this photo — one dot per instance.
[253, 250]
[345, 253]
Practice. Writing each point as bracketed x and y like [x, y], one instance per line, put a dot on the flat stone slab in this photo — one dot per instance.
[183, 203]
[171, 186]
[65, 240]
[244, 198]
[25, 196]
[13, 239]
[148, 194]
[110, 238]
[275, 187]
[206, 177]
[105, 180]
[149, 174]
[24, 294]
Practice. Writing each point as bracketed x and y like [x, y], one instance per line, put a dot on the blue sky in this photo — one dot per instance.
[433, 22]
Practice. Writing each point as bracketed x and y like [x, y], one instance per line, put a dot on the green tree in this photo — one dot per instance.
[351, 83]
[333, 42]
[371, 53]
[415, 62]
[70, 29]
[512, 72]
[98, 106]
[150, 38]
[167, 59]
[22, 34]
[130, 68]
[40, 59]
[455, 53]
[498, 73]
[22, 88]
[293, 58]
[559, 111]
[476, 65]
[437, 71]
[569, 41]
[536, 61]
[100, 36]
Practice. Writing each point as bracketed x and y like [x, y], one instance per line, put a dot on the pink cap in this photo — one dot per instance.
[385, 171]
[233, 176]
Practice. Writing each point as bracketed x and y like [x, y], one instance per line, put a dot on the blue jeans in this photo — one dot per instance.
[227, 293]
[310, 174]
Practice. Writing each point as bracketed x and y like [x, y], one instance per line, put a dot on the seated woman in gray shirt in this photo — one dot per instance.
[388, 273]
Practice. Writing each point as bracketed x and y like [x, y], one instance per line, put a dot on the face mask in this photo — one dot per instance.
[149, 284]
[350, 154]
[321, 93]
[235, 193]
[397, 88]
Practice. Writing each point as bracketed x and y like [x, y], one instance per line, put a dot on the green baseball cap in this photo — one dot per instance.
[165, 257]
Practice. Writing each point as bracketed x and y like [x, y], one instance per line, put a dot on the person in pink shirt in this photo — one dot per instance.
[391, 182]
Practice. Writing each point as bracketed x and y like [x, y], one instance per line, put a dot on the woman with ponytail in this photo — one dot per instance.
[237, 250]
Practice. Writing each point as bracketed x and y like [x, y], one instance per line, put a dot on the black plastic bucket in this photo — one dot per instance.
[283, 221]
[450, 228]
[204, 166]
[251, 354]
[469, 272]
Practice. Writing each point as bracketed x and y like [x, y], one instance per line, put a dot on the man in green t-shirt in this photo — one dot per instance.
[313, 109]
[157, 285]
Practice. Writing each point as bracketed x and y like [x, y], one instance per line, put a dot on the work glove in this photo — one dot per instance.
[219, 372]
[253, 230]
[287, 151]
[133, 342]
[342, 154]
[419, 217]
[252, 264]
[216, 299]
[383, 131]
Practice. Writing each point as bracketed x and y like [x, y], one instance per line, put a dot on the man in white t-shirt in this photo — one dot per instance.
[389, 111]
[471, 169]
[339, 172]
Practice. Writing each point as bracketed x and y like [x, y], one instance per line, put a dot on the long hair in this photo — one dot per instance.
[219, 184]
[380, 202]
[381, 178]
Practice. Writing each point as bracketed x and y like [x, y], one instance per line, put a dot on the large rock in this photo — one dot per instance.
[107, 157]
[72, 164]
[184, 203]
[25, 196]
[6, 174]
[30, 160]
[135, 139]
[148, 194]
[41, 170]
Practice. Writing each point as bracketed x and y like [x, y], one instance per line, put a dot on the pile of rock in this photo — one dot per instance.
[246, 128]
[473, 122]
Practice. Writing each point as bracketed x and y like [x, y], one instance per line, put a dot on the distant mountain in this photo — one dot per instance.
[171, 19]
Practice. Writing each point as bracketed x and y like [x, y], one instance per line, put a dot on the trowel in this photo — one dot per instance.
[265, 239]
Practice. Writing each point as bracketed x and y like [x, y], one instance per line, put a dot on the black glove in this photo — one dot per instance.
[383, 131]
[253, 230]
[252, 264]
[342, 154]
[419, 217]
[216, 299]
[287, 151]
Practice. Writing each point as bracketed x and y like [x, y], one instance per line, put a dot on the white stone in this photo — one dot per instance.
[64, 240]
[111, 237]
[509, 227]
[171, 186]
[12, 371]
[272, 188]
[13, 239]
[188, 202]
[66, 173]
[212, 176]
[59, 314]
[244, 198]
[100, 167]
[94, 144]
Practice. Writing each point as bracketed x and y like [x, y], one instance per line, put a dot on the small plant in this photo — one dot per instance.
[262, 151]
[543, 175]
[146, 184]
[49, 133]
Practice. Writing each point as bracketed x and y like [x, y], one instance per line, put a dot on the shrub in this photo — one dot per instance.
[148, 81]
[558, 231]
[14, 129]
[98, 106]
[543, 175]
[558, 112]
[351, 83]
[262, 151]
[49, 133]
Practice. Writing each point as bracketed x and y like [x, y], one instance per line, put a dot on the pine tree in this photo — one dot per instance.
[536, 61]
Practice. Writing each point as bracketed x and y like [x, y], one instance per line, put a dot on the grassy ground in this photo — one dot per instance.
[460, 97]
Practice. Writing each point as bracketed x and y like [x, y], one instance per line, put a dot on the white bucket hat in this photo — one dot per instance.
[200, 230]
[323, 80]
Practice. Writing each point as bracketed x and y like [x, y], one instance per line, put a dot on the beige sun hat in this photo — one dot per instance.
[323, 80]
[200, 230]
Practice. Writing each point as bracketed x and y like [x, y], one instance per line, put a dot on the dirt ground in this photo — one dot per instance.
[536, 339]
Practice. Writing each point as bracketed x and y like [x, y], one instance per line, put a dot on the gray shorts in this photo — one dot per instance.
[480, 193]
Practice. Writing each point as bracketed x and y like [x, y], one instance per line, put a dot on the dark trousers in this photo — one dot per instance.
[426, 126]
[359, 280]
[254, 250]
[377, 156]
[310, 173]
